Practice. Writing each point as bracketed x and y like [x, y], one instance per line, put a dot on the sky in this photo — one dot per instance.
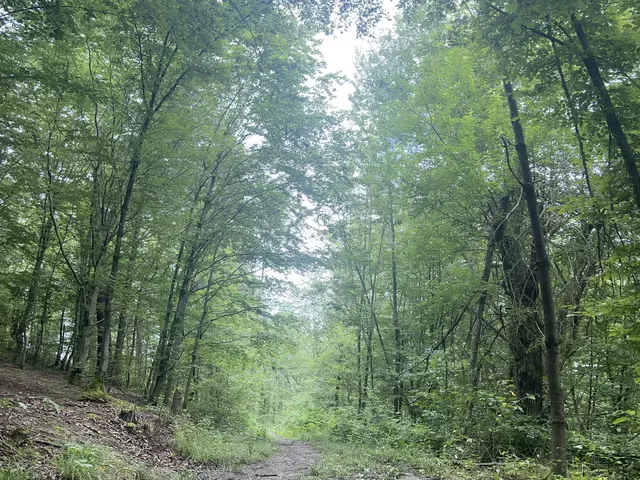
[340, 53]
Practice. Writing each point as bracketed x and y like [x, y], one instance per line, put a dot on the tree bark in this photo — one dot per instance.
[44, 316]
[84, 332]
[520, 285]
[116, 367]
[136, 157]
[556, 397]
[167, 362]
[397, 361]
[60, 341]
[196, 345]
[474, 367]
[629, 157]
[162, 343]
[20, 329]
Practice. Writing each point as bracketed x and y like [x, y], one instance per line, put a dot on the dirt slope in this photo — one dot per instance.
[40, 410]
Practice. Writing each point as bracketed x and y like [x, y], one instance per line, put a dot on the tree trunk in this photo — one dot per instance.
[176, 402]
[162, 343]
[199, 334]
[84, 333]
[167, 362]
[572, 113]
[359, 367]
[116, 367]
[136, 157]
[170, 354]
[614, 125]
[474, 367]
[44, 316]
[397, 361]
[556, 397]
[520, 285]
[134, 343]
[20, 329]
[60, 341]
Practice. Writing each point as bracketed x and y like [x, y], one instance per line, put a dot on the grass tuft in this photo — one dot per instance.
[80, 461]
[14, 473]
[230, 450]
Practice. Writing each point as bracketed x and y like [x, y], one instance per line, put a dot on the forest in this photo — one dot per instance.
[201, 254]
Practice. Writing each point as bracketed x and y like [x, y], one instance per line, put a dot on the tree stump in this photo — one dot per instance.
[130, 416]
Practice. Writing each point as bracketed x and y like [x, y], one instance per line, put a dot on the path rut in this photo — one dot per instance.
[294, 460]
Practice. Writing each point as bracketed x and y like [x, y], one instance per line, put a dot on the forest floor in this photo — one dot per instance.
[40, 413]
[41, 416]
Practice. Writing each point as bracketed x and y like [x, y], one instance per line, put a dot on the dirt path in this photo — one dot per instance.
[292, 461]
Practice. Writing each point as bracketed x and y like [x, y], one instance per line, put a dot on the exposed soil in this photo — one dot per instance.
[40, 410]
[292, 462]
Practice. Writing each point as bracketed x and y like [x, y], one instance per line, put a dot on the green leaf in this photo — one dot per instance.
[620, 420]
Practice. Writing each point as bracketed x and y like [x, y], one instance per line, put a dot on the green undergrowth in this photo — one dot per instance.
[14, 473]
[79, 461]
[383, 447]
[203, 442]
[84, 461]
[385, 462]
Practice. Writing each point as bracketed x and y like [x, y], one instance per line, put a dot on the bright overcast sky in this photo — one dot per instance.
[340, 53]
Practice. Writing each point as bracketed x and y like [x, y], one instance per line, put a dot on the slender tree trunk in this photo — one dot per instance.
[116, 367]
[103, 354]
[20, 329]
[134, 342]
[196, 345]
[84, 332]
[60, 341]
[474, 367]
[397, 360]
[44, 316]
[629, 157]
[359, 367]
[164, 333]
[556, 397]
[167, 362]
[573, 114]
[162, 343]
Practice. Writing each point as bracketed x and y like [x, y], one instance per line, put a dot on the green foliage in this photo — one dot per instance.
[205, 443]
[94, 462]
[14, 473]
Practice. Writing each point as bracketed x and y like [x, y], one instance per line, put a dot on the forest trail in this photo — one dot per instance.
[294, 460]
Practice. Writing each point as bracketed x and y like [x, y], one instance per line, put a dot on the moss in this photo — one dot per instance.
[94, 395]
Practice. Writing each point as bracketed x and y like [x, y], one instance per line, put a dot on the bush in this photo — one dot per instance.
[223, 400]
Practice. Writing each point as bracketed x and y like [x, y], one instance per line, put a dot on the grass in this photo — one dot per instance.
[14, 473]
[383, 461]
[230, 450]
[79, 461]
